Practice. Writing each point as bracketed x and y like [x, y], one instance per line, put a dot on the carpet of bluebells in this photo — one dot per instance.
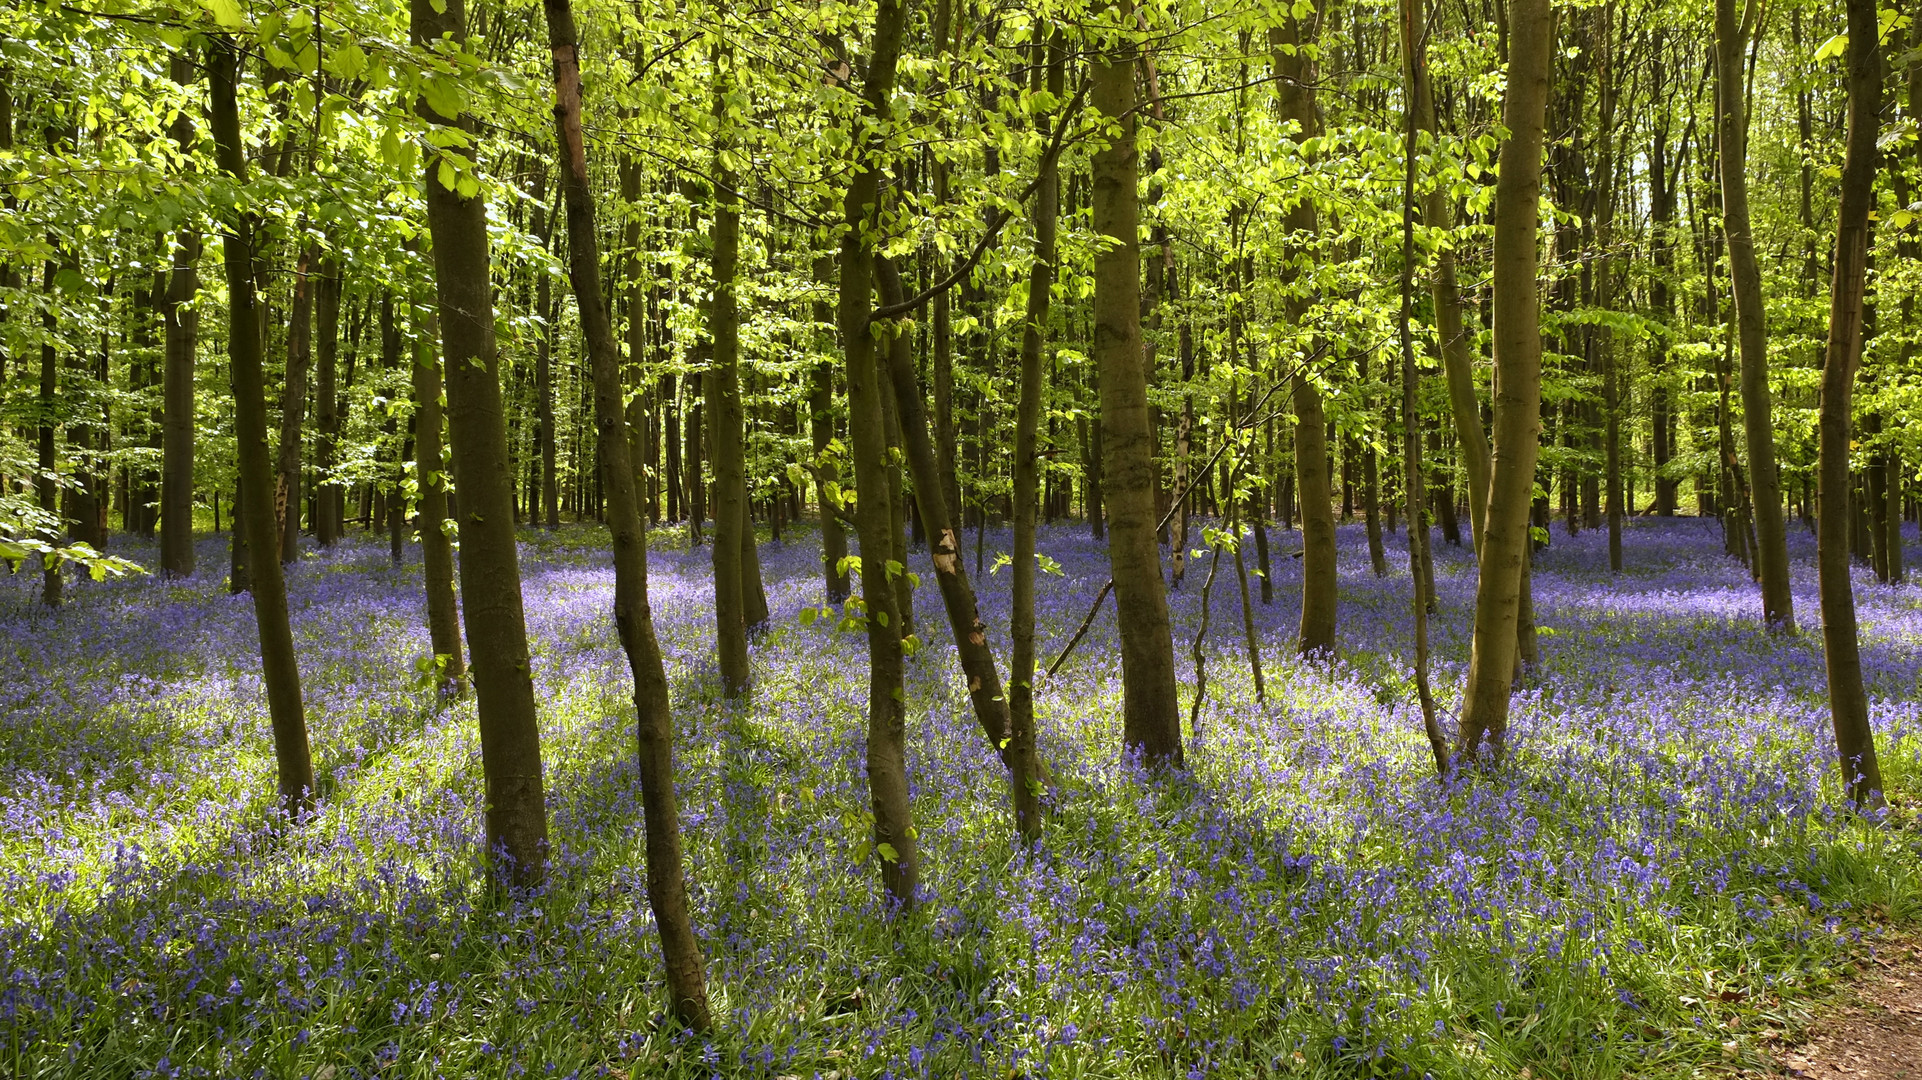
[1660, 878]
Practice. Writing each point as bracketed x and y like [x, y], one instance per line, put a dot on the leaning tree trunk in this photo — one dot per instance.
[1151, 713]
[490, 573]
[894, 838]
[1848, 703]
[1518, 361]
[430, 476]
[1771, 555]
[1295, 96]
[255, 517]
[666, 885]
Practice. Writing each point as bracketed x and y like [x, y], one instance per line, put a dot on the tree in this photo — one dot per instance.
[1151, 716]
[1848, 703]
[1758, 423]
[490, 577]
[1518, 357]
[633, 618]
[280, 670]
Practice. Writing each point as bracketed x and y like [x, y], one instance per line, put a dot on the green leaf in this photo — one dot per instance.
[808, 615]
[444, 96]
[447, 178]
[887, 853]
[227, 13]
[348, 61]
[1834, 46]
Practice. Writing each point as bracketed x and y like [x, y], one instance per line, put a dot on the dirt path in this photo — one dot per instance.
[1876, 1032]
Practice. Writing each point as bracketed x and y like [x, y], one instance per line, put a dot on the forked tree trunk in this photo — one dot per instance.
[633, 618]
[1151, 720]
[255, 515]
[1518, 357]
[1745, 275]
[1848, 703]
[490, 573]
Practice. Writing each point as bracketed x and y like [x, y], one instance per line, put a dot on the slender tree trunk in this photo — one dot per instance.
[827, 466]
[1604, 288]
[46, 483]
[1151, 710]
[1518, 354]
[1848, 703]
[430, 475]
[894, 840]
[633, 617]
[544, 437]
[1745, 275]
[722, 385]
[1027, 462]
[1295, 95]
[181, 325]
[255, 516]
[326, 401]
[490, 575]
[293, 407]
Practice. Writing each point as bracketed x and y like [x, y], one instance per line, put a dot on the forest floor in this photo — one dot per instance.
[1660, 880]
[1874, 1032]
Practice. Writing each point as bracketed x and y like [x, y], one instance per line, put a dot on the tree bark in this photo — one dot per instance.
[1848, 702]
[327, 502]
[827, 466]
[1745, 275]
[894, 842]
[255, 516]
[293, 406]
[1518, 355]
[430, 476]
[633, 617]
[181, 326]
[1295, 96]
[490, 576]
[722, 388]
[1151, 721]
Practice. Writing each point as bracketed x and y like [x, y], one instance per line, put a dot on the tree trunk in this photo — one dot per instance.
[1027, 468]
[490, 576]
[544, 435]
[1518, 355]
[1151, 722]
[430, 475]
[1295, 96]
[255, 517]
[894, 840]
[181, 325]
[1745, 275]
[293, 406]
[666, 886]
[1848, 703]
[46, 483]
[827, 467]
[327, 501]
[722, 386]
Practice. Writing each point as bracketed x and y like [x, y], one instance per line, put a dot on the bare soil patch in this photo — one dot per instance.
[1875, 1032]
